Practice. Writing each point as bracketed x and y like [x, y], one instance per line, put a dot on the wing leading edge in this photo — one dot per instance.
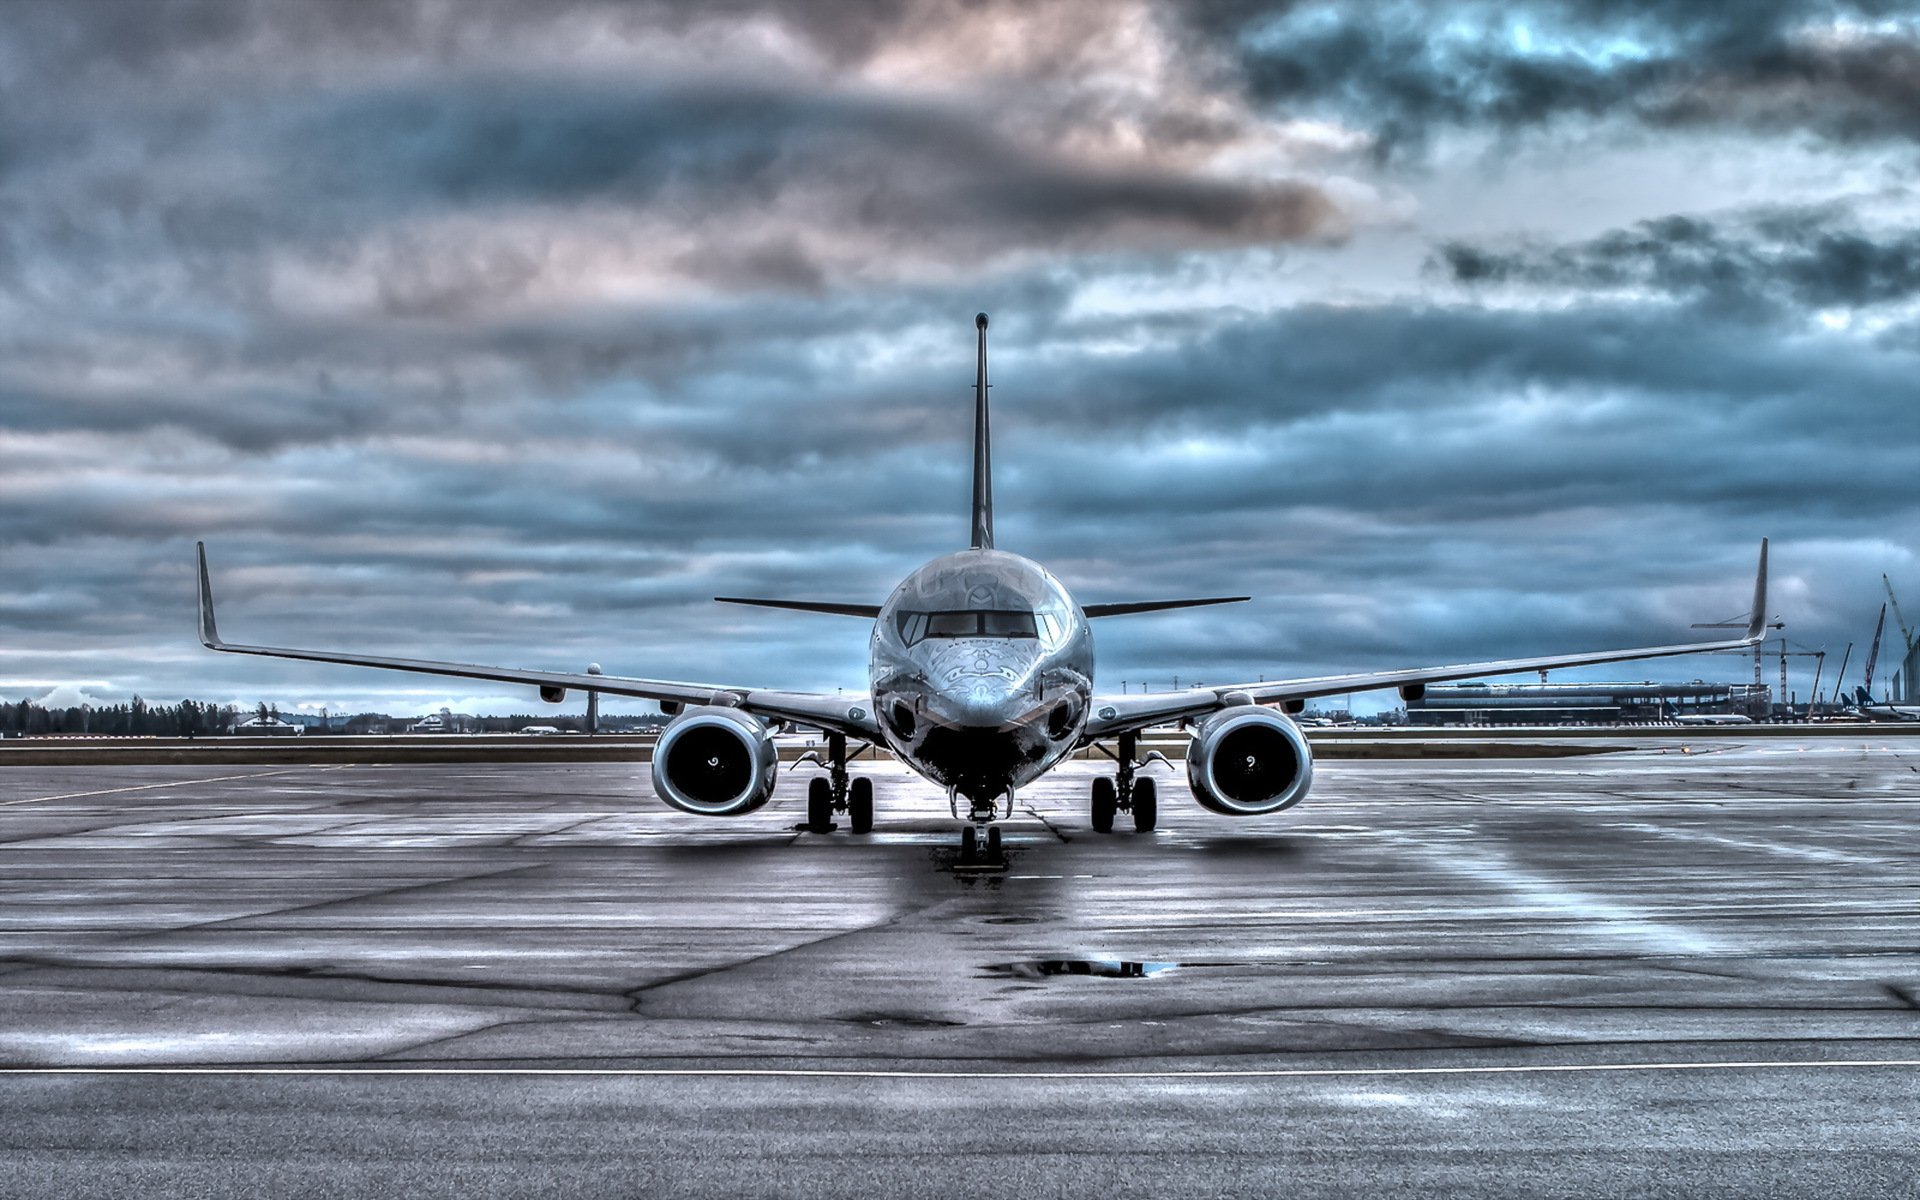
[1117, 714]
[849, 713]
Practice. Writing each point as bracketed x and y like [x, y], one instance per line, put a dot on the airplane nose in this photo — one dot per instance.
[987, 703]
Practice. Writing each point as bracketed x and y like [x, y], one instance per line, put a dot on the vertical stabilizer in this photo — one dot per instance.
[982, 449]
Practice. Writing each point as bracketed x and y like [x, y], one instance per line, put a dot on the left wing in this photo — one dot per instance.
[1118, 714]
[851, 714]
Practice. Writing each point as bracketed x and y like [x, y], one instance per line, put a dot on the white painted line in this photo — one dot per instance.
[147, 787]
[830, 1073]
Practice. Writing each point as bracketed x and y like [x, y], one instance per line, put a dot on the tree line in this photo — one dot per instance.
[194, 718]
[188, 718]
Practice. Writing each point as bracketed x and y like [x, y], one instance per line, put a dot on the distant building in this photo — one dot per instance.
[441, 722]
[1583, 703]
[268, 727]
[1906, 681]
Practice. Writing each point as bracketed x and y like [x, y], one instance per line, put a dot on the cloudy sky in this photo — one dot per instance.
[514, 332]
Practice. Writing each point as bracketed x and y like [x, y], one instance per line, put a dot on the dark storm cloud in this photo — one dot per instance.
[1404, 70]
[1793, 260]
[515, 332]
[899, 171]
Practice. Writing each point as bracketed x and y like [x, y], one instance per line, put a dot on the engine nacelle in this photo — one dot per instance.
[715, 762]
[1248, 760]
[552, 695]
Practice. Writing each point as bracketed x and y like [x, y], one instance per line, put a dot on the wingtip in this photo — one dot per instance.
[1757, 622]
[209, 632]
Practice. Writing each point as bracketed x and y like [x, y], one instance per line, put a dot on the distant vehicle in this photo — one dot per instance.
[981, 680]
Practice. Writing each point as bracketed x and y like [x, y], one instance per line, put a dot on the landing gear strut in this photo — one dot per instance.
[837, 792]
[980, 846]
[1124, 791]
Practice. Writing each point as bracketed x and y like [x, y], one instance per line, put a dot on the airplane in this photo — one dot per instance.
[1866, 708]
[981, 679]
[1676, 717]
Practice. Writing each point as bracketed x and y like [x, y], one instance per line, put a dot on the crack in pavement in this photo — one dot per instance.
[638, 995]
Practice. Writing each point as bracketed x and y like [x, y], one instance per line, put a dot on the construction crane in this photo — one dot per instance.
[1873, 653]
[1906, 635]
[1906, 638]
[1759, 648]
[1841, 673]
[1819, 658]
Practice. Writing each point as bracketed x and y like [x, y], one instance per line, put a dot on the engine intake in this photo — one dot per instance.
[1247, 760]
[715, 762]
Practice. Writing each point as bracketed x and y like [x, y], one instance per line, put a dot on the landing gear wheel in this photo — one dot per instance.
[993, 841]
[1146, 805]
[819, 805]
[1104, 803]
[860, 806]
[969, 843]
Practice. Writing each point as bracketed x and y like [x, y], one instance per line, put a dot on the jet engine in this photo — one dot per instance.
[552, 695]
[715, 762]
[1248, 760]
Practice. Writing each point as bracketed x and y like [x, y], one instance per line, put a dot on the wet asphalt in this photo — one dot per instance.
[1681, 970]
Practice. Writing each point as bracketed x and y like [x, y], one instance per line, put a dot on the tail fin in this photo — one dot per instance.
[982, 450]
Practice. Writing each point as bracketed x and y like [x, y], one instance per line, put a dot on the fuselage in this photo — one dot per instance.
[981, 670]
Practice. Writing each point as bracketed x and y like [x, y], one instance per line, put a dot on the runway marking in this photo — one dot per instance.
[1486, 863]
[831, 1073]
[1811, 853]
[147, 787]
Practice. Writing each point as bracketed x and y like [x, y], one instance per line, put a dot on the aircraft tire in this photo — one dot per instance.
[969, 843]
[860, 806]
[819, 805]
[1146, 805]
[993, 841]
[1105, 802]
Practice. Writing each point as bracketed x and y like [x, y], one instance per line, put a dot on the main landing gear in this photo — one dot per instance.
[836, 792]
[1123, 791]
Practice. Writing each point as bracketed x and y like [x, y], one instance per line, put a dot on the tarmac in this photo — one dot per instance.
[1691, 967]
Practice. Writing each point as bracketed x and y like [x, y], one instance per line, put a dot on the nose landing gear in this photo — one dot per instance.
[836, 792]
[976, 849]
[980, 846]
[1124, 791]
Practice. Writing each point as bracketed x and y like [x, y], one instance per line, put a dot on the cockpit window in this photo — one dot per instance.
[1008, 624]
[998, 623]
[954, 624]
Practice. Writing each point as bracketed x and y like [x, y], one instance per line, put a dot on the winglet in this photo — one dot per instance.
[1757, 623]
[209, 633]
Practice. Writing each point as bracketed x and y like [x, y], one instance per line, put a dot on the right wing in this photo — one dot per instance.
[1129, 607]
[1118, 714]
[842, 713]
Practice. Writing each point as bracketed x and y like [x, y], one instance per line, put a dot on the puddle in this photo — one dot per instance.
[1102, 968]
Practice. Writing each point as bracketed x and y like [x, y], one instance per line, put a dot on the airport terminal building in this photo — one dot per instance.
[1583, 703]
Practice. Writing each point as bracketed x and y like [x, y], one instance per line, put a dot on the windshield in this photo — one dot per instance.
[994, 623]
